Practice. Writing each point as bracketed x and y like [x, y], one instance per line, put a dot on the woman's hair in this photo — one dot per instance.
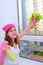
[10, 42]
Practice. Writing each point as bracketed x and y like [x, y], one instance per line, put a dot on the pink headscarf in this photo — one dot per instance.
[7, 27]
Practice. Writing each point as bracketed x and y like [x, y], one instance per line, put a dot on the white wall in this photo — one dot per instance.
[8, 14]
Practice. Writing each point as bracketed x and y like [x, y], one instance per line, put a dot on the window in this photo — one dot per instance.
[26, 8]
[31, 46]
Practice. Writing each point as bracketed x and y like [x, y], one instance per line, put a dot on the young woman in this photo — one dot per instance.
[12, 38]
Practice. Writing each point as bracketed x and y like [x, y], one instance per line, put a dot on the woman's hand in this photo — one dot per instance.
[34, 20]
[4, 45]
[3, 48]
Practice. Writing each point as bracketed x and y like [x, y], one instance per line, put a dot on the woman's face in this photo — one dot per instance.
[12, 33]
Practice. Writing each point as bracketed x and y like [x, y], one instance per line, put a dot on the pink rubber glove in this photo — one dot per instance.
[3, 48]
[33, 22]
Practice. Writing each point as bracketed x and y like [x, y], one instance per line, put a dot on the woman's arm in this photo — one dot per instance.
[28, 27]
[24, 32]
